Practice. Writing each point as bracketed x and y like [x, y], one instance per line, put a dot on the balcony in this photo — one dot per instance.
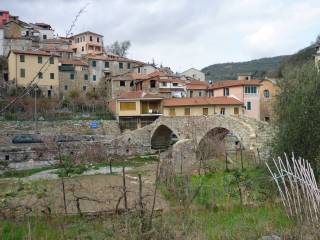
[151, 108]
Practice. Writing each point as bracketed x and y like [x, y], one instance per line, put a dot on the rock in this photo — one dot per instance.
[272, 237]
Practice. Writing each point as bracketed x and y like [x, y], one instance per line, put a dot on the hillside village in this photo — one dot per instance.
[135, 91]
[96, 145]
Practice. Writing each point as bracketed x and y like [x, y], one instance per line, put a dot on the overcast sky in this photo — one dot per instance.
[185, 33]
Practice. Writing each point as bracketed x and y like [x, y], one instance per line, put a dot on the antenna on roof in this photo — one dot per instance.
[81, 11]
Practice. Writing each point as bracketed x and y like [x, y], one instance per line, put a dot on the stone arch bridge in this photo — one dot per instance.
[186, 131]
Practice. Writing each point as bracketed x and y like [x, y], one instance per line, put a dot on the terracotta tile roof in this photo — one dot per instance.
[76, 62]
[197, 85]
[233, 83]
[88, 32]
[137, 76]
[203, 101]
[48, 49]
[168, 90]
[30, 52]
[138, 95]
[109, 57]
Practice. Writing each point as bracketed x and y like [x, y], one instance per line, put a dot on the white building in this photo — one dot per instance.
[193, 74]
[45, 30]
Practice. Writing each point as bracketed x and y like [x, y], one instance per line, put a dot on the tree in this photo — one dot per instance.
[119, 48]
[298, 113]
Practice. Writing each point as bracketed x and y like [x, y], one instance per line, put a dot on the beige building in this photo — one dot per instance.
[202, 106]
[268, 93]
[34, 67]
[87, 43]
[137, 109]
[194, 74]
[74, 76]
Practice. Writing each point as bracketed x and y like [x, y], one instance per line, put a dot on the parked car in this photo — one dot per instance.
[66, 138]
[26, 138]
[88, 138]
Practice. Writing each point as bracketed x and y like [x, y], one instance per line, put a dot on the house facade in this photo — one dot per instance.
[246, 91]
[137, 109]
[74, 76]
[87, 43]
[194, 74]
[204, 106]
[36, 67]
[268, 93]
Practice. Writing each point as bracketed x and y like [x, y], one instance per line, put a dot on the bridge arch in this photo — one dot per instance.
[216, 141]
[163, 137]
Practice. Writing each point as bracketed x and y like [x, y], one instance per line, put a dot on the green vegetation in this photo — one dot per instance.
[259, 68]
[259, 214]
[298, 114]
[24, 173]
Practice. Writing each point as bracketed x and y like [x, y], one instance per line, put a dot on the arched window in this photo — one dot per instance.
[266, 93]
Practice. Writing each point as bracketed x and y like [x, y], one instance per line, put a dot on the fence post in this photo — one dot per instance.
[124, 188]
[226, 161]
[241, 159]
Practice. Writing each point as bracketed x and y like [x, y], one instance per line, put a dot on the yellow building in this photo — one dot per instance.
[137, 109]
[36, 67]
[268, 92]
[202, 106]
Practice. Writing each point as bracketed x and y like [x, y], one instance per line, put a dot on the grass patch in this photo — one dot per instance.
[24, 173]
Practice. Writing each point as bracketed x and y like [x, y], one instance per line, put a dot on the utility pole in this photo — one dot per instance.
[35, 110]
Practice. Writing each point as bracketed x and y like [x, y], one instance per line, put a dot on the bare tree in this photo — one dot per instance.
[119, 48]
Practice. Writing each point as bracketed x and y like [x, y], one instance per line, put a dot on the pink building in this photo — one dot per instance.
[4, 17]
[247, 91]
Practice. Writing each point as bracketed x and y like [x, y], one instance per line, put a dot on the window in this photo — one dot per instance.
[127, 106]
[236, 111]
[7, 157]
[94, 89]
[122, 83]
[44, 37]
[98, 39]
[172, 112]
[51, 60]
[84, 88]
[191, 93]
[94, 78]
[90, 38]
[164, 84]
[267, 119]
[222, 111]
[22, 73]
[129, 65]
[121, 65]
[226, 92]
[249, 106]
[86, 77]
[82, 49]
[205, 111]
[106, 64]
[200, 94]
[21, 58]
[51, 75]
[152, 84]
[266, 93]
[40, 75]
[94, 63]
[66, 87]
[175, 84]
[71, 76]
[187, 111]
[250, 89]
[39, 59]
[132, 84]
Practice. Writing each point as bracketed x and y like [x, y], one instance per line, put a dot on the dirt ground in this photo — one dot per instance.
[96, 193]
